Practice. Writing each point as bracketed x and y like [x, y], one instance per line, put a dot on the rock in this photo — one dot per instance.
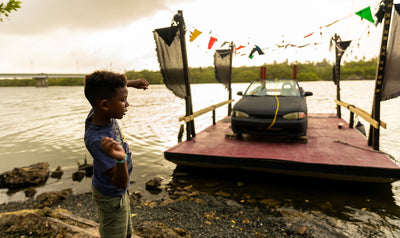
[181, 193]
[135, 197]
[88, 168]
[48, 199]
[58, 173]
[233, 204]
[270, 202]
[159, 230]
[302, 230]
[200, 201]
[194, 194]
[78, 176]
[166, 202]
[154, 185]
[30, 192]
[32, 175]
[222, 194]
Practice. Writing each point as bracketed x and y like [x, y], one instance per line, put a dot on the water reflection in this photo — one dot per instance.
[344, 208]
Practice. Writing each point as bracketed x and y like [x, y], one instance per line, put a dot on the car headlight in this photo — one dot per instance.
[295, 115]
[240, 114]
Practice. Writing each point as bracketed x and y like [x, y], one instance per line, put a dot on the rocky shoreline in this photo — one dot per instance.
[186, 212]
[197, 215]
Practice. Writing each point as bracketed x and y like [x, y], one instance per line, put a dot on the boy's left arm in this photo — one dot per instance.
[119, 173]
[138, 83]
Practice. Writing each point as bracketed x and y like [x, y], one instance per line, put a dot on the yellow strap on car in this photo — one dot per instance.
[277, 108]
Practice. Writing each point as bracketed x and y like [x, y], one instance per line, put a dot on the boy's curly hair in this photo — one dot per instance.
[101, 85]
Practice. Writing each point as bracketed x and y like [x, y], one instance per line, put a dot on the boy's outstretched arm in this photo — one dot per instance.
[138, 83]
[119, 173]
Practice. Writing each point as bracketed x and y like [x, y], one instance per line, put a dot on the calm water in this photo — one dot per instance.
[46, 124]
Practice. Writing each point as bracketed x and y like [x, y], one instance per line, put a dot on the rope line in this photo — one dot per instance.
[277, 108]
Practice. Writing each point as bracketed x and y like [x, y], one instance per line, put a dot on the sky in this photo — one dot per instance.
[80, 36]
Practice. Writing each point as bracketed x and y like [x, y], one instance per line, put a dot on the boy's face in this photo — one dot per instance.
[119, 103]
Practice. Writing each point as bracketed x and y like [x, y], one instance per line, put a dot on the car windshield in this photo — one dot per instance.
[271, 87]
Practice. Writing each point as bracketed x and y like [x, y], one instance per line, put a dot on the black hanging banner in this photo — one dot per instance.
[341, 47]
[172, 56]
[168, 48]
[222, 64]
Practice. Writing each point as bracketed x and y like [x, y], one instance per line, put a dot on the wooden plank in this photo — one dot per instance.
[362, 113]
[204, 110]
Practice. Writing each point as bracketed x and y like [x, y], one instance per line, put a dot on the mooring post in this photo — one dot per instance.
[231, 46]
[351, 123]
[373, 138]
[188, 99]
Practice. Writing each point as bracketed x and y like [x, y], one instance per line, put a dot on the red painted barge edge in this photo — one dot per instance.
[322, 156]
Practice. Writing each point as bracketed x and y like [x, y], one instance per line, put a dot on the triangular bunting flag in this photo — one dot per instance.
[194, 35]
[260, 52]
[240, 47]
[308, 35]
[256, 48]
[366, 14]
[211, 42]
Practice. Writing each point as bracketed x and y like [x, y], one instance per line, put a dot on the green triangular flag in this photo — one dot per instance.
[366, 14]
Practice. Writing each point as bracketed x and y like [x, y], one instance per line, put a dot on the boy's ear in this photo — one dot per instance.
[104, 104]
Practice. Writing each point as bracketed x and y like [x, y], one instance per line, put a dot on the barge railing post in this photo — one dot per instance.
[340, 48]
[336, 74]
[351, 123]
[373, 138]
[231, 46]
[190, 131]
[213, 117]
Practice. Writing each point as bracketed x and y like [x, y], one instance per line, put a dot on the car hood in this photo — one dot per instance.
[266, 105]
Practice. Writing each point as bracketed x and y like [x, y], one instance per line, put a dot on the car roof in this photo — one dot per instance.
[276, 79]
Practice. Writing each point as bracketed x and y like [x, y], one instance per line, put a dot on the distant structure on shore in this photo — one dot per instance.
[41, 79]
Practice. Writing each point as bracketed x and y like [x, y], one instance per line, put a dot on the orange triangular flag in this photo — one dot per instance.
[309, 35]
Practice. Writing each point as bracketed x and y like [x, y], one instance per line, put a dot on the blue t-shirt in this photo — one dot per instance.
[101, 162]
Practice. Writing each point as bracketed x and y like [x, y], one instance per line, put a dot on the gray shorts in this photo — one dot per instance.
[114, 215]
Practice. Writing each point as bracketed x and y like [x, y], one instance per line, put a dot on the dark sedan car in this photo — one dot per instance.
[274, 107]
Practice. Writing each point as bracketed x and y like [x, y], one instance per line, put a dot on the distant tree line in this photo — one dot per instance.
[320, 71]
[360, 70]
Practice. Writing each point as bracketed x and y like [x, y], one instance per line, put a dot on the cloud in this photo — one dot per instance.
[39, 16]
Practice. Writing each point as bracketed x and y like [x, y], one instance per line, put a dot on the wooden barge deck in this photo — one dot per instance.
[330, 152]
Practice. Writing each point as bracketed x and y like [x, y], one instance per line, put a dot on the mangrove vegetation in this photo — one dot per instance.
[320, 71]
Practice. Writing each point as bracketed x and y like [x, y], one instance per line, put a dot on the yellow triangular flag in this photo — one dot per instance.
[194, 35]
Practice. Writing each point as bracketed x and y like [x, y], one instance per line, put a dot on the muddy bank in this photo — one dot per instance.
[197, 216]
[186, 212]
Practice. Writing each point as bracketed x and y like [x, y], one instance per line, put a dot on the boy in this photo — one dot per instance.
[107, 93]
